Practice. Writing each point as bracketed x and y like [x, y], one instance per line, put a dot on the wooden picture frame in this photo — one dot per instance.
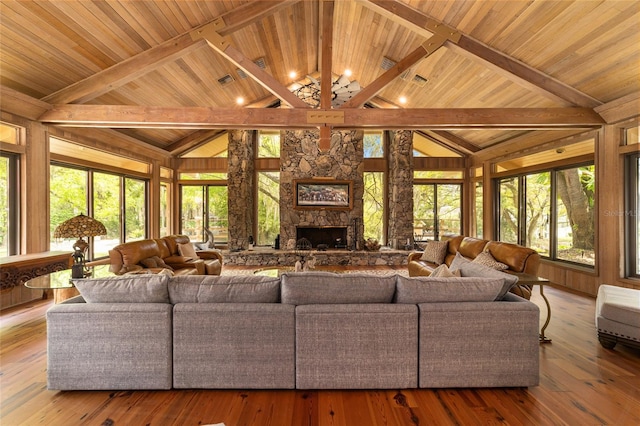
[316, 194]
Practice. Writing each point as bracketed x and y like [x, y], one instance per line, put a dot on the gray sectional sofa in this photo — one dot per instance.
[310, 330]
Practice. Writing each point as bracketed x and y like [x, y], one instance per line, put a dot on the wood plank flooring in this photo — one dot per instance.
[581, 384]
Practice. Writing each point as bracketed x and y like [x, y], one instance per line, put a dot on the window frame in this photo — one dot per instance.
[631, 221]
[521, 208]
[90, 201]
[436, 222]
[13, 202]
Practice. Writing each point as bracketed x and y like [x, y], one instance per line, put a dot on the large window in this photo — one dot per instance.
[550, 211]
[478, 216]
[9, 204]
[204, 207]
[437, 210]
[373, 145]
[268, 191]
[269, 145]
[373, 200]
[373, 205]
[632, 214]
[268, 207]
[119, 202]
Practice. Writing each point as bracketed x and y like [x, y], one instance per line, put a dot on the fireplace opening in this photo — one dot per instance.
[331, 236]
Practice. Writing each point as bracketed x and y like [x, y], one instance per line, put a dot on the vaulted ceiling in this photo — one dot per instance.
[169, 73]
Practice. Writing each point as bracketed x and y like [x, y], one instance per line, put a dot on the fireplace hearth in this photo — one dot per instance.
[334, 237]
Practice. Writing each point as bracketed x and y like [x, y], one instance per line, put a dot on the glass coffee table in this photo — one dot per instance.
[60, 281]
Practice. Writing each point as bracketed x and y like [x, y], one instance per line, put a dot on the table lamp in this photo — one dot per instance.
[79, 227]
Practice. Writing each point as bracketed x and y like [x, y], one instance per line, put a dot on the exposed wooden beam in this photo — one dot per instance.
[20, 104]
[124, 116]
[326, 67]
[124, 72]
[130, 69]
[525, 144]
[250, 13]
[326, 52]
[192, 140]
[453, 141]
[211, 33]
[424, 50]
[512, 69]
[620, 109]
[521, 73]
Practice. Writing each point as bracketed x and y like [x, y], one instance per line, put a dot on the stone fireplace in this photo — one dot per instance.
[300, 158]
[334, 237]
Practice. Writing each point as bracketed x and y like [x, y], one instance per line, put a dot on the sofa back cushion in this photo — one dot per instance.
[304, 288]
[435, 290]
[518, 258]
[132, 253]
[140, 288]
[163, 247]
[224, 289]
[471, 247]
[172, 242]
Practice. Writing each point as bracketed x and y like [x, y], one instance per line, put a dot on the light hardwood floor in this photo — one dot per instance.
[581, 384]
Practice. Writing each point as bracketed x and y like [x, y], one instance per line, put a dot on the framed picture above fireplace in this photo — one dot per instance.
[315, 194]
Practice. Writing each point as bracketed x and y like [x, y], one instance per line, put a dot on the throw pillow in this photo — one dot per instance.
[473, 269]
[161, 263]
[443, 271]
[187, 250]
[486, 259]
[128, 269]
[146, 288]
[435, 252]
[155, 262]
[150, 262]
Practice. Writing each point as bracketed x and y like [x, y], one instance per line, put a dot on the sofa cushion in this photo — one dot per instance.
[471, 247]
[187, 250]
[141, 288]
[135, 251]
[155, 262]
[224, 289]
[518, 258]
[304, 288]
[435, 252]
[443, 271]
[464, 289]
[471, 269]
[486, 259]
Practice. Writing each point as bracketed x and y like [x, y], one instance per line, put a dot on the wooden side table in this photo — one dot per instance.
[533, 280]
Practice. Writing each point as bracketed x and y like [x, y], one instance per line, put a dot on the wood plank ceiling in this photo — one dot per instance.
[474, 73]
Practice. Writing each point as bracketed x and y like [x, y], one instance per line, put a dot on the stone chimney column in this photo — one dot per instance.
[400, 229]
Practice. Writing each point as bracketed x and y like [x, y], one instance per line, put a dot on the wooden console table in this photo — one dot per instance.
[16, 270]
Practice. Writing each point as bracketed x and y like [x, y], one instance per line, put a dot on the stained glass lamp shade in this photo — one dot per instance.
[79, 227]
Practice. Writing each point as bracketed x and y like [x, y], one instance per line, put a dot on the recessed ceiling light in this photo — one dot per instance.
[347, 72]
[240, 100]
[293, 74]
[403, 100]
